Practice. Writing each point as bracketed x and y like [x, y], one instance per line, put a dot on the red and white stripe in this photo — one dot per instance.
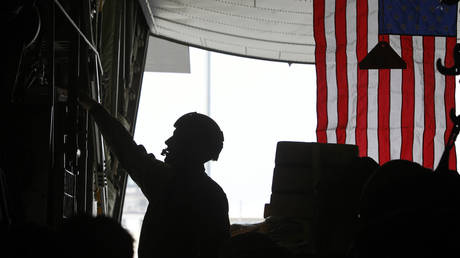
[389, 114]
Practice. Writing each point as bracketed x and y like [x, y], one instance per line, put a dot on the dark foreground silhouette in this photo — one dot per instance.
[187, 215]
[253, 245]
[85, 236]
[409, 211]
[79, 236]
[28, 240]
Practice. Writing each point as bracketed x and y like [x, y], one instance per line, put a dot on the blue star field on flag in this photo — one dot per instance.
[417, 17]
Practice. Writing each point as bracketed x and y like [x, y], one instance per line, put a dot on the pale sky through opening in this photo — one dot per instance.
[256, 103]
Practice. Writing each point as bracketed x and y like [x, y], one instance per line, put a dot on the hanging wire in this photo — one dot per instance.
[81, 34]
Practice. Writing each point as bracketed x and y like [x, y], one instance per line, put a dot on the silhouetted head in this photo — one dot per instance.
[396, 185]
[196, 140]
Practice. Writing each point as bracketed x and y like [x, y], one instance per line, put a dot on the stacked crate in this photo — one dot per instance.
[313, 182]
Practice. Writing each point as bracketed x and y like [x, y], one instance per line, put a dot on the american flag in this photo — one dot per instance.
[389, 114]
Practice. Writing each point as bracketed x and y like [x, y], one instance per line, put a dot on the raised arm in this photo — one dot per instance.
[150, 174]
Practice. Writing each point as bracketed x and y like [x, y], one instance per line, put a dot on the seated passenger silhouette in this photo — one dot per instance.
[187, 215]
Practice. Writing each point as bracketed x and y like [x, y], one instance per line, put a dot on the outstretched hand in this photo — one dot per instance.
[85, 101]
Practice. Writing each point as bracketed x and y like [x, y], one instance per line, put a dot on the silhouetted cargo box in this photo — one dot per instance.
[321, 184]
[306, 154]
[300, 166]
[292, 205]
[290, 179]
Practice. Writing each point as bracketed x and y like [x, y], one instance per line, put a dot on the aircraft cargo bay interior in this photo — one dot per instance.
[229, 129]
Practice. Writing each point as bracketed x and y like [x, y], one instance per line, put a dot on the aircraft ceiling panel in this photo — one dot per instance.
[269, 29]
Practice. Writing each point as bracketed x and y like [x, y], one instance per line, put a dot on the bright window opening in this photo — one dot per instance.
[256, 103]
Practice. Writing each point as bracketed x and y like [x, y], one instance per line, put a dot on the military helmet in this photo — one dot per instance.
[203, 132]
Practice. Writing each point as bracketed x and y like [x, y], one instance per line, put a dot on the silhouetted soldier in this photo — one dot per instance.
[187, 215]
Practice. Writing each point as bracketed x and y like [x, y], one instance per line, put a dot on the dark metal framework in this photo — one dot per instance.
[54, 159]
